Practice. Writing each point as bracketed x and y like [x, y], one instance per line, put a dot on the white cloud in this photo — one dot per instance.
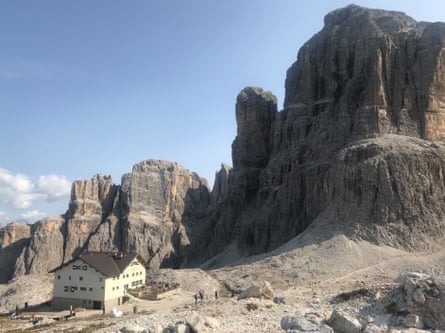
[33, 215]
[2, 213]
[18, 182]
[54, 186]
[20, 191]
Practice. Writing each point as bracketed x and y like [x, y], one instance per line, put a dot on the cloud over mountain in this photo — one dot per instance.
[33, 215]
[20, 191]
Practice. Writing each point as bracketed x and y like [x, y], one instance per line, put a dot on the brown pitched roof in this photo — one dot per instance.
[108, 263]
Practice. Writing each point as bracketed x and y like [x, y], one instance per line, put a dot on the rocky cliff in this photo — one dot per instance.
[357, 150]
[156, 212]
[14, 237]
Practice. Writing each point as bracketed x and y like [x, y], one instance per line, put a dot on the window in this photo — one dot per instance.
[85, 267]
[84, 301]
[103, 288]
[117, 287]
[58, 277]
[80, 278]
[91, 289]
[76, 267]
[100, 279]
[65, 288]
[69, 277]
[113, 288]
[83, 288]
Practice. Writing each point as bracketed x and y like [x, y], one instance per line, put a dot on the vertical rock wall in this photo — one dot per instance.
[163, 203]
[368, 85]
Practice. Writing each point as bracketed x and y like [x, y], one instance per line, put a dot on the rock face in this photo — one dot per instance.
[162, 205]
[14, 237]
[367, 73]
[44, 248]
[357, 150]
[91, 201]
[219, 191]
[156, 211]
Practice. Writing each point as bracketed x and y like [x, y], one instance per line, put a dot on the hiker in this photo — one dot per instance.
[201, 295]
[103, 309]
[196, 299]
[216, 294]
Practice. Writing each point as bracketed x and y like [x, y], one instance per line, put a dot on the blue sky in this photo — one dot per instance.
[92, 87]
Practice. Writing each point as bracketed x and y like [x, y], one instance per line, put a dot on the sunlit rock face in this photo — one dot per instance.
[157, 212]
[356, 147]
[162, 207]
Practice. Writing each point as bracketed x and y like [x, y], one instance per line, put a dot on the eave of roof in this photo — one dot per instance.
[110, 264]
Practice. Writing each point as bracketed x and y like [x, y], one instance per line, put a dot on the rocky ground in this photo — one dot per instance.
[326, 282]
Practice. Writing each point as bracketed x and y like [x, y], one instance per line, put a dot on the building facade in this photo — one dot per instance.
[97, 279]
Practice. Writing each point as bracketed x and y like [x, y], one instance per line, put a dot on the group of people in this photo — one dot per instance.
[200, 296]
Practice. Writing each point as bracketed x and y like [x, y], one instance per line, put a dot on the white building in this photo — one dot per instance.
[97, 279]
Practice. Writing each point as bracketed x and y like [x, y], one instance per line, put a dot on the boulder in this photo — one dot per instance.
[200, 323]
[182, 328]
[212, 323]
[324, 328]
[413, 320]
[424, 301]
[289, 322]
[342, 322]
[297, 322]
[197, 323]
[263, 291]
[380, 324]
[159, 329]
